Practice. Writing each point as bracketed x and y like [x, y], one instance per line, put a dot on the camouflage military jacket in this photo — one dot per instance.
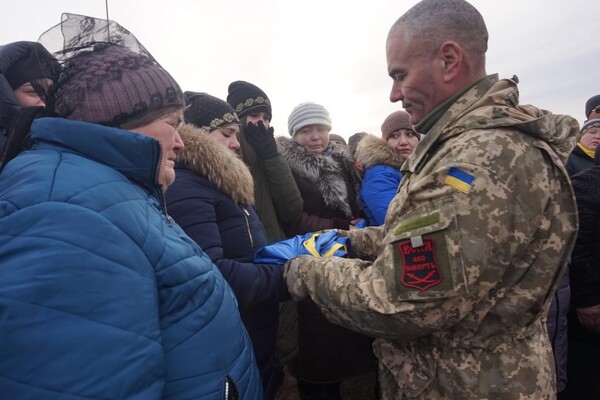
[464, 267]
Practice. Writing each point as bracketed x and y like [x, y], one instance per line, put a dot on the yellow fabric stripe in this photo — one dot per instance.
[333, 249]
[310, 246]
[457, 184]
[590, 153]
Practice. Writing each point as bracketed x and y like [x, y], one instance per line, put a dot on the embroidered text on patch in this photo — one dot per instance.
[420, 267]
[459, 180]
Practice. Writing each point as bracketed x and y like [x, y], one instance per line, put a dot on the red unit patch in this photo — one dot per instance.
[420, 267]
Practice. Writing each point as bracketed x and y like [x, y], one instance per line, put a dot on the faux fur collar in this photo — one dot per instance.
[334, 174]
[372, 151]
[224, 169]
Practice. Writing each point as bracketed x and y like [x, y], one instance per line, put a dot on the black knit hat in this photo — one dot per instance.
[592, 103]
[246, 98]
[209, 112]
[38, 63]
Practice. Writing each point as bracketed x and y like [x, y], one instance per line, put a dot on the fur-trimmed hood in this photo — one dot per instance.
[372, 151]
[224, 169]
[334, 174]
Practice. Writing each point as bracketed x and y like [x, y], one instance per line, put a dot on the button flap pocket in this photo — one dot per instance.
[425, 251]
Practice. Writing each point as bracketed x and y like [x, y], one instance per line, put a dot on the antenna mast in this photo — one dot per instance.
[107, 21]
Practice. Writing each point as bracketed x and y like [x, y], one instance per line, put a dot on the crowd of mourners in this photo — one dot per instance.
[131, 211]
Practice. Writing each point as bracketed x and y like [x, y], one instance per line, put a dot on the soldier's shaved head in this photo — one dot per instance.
[434, 21]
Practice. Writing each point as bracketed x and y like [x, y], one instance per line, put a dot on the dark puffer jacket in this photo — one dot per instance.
[102, 295]
[557, 323]
[585, 262]
[212, 199]
[329, 186]
[578, 161]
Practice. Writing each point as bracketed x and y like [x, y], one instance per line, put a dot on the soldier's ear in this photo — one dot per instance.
[451, 57]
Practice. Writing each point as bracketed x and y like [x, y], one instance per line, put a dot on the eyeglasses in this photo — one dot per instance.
[595, 110]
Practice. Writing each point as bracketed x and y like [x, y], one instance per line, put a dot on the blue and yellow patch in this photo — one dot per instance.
[459, 180]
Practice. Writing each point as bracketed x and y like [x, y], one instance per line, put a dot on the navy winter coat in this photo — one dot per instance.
[211, 200]
[102, 295]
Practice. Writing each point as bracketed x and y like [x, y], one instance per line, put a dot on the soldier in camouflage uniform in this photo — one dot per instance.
[477, 237]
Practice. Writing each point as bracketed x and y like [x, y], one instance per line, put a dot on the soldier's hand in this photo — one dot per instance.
[590, 317]
[295, 285]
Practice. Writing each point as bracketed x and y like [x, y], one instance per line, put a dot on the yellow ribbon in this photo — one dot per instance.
[309, 244]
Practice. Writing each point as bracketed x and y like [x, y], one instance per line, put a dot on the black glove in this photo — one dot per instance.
[261, 139]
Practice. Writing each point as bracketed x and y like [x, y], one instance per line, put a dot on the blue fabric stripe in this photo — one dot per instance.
[461, 175]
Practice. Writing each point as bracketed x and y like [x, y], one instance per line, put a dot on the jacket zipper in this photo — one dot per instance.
[159, 190]
[246, 215]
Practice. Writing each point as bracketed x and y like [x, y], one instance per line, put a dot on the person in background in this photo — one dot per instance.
[582, 156]
[277, 198]
[592, 107]
[456, 285]
[337, 140]
[353, 141]
[561, 318]
[27, 72]
[325, 175]
[103, 295]
[584, 317]
[212, 199]
[381, 160]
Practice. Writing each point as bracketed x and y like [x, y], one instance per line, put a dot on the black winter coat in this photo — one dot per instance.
[557, 329]
[329, 186]
[578, 161]
[585, 261]
[211, 199]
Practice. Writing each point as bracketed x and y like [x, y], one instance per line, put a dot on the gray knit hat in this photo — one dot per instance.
[307, 114]
[590, 123]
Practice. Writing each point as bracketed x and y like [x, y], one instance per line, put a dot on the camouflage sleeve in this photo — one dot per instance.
[444, 256]
[366, 242]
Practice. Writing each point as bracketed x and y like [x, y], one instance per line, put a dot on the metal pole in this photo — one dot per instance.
[107, 22]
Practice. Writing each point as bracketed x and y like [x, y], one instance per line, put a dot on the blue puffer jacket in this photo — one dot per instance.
[382, 176]
[101, 294]
[211, 200]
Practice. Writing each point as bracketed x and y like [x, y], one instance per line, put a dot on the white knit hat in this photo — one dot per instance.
[307, 114]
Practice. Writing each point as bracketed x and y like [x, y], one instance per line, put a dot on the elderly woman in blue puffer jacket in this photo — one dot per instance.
[102, 295]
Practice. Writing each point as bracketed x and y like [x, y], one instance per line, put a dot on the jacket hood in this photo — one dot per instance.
[222, 168]
[133, 155]
[494, 103]
[372, 151]
[334, 174]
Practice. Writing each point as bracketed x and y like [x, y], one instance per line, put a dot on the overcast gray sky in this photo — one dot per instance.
[333, 52]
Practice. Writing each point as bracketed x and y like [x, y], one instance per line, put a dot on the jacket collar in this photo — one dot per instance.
[433, 136]
[209, 159]
[135, 156]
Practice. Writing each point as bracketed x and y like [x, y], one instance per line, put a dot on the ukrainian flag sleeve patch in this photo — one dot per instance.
[459, 180]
